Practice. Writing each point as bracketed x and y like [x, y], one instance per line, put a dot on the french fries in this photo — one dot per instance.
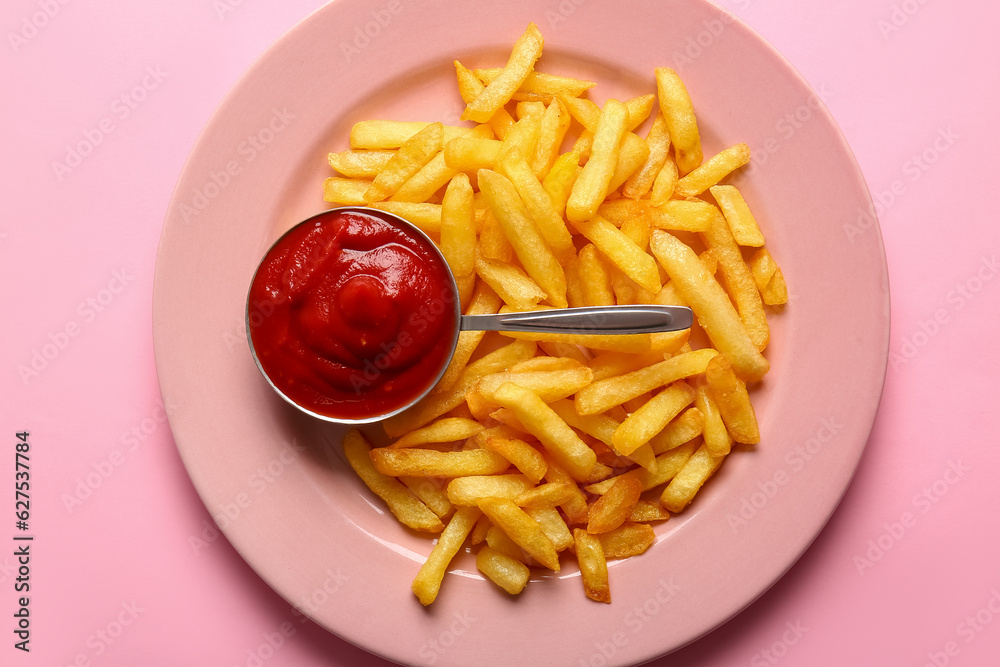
[535, 448]
[428, 580]
[527, 49]
[593, 566]
[591, 186]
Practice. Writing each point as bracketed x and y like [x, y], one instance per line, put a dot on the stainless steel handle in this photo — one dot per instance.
[605, 320]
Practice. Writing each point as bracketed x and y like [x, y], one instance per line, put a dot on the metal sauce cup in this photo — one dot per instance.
[605, 320]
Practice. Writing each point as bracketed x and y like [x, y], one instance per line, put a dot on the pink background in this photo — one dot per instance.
[904, 574]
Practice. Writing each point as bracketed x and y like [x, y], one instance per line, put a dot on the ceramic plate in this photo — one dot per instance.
[276, 483]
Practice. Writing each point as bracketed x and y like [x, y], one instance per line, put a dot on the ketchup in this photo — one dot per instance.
[352, 315]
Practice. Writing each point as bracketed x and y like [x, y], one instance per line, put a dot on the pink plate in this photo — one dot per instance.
[276, 482]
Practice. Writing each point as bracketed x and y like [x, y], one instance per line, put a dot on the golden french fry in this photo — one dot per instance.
[360, 163]
[629, 539]
[432, 463]
[664, 184]
[730, 394]
[621, 251]
[527, 49]
[653, 416]
[716, 436]
[425, 216]
[615, 506]
[658, 142]
[559, 180]
[528, 460]
[689, 480]
[458, 227]
[448, 429]
[768, 277]
[551, 494]
[552, 130]
[522, 529]
[776, 292]
[536, 257]
[713, 171]
[739, 280]
[539, 85]
[591, 186]
[390, 134]
[411, 156]
[763, 268]
[593, 566]
[430, 493]
[403, 504]
[646, 510]
[678, 111]
[428, 580]
[470, 489]
[738, 215]
[639, 109]
[555, 435]
[549, 385]
[604, 394]
[691, 215]
[711, 305]
[595, 280]
[552, 525]
[582, 110]
[508, 573]
[471, 153]
[538, 205]
[574, 283]
[469, 87]
[510, 282]
[688, 426]
[498, 540]
[345, 191]
[632, 154]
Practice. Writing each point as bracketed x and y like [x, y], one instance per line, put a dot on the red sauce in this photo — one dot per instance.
[351, 315]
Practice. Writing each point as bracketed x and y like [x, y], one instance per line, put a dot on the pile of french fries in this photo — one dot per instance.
[535, 445]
